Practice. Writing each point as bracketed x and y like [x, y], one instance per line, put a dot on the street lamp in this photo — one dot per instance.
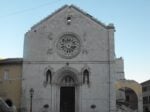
[31, 96]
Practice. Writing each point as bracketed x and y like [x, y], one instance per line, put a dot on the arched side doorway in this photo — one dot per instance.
[67, 81]
[128, 96]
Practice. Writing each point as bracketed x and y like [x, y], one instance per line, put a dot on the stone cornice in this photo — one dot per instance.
[70, 62]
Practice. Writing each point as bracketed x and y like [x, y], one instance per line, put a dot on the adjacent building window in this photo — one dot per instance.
[6, 74]
[145, 100]
[144, 89]
[148, 88]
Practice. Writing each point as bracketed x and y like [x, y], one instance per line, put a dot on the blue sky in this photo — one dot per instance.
[130, 17]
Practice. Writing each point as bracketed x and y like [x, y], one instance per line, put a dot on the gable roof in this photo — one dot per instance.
[110, 26]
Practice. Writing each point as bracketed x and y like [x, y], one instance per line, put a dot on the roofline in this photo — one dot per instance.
[110, 26]
[11, 61]
[145, 82]
[53, 13]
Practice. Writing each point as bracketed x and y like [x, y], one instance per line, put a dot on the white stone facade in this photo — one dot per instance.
[96, 54]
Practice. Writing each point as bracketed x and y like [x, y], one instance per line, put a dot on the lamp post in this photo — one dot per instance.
[31, 96]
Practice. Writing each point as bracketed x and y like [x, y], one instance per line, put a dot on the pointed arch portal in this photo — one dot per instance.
[67, 80]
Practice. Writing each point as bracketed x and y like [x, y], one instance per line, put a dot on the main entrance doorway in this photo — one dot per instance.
[67, 99]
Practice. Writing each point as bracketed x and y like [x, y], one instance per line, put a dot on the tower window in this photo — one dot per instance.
[68, 20]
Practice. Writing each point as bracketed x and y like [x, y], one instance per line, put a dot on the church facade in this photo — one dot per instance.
[69, 61]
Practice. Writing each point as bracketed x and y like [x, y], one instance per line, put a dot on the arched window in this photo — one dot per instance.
[48, 76]
[69, 20]
[86, 79]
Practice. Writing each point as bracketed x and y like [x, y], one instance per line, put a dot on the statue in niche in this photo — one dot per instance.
[86, 77]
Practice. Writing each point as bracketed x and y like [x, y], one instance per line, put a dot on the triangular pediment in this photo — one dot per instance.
[78, 10]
